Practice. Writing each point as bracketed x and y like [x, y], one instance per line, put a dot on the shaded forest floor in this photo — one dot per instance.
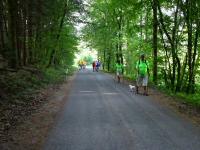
[28, 106]
[186, 110]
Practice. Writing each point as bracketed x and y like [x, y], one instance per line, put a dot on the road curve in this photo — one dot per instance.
[103, 115]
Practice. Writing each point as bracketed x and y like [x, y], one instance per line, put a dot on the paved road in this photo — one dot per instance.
[100, 116]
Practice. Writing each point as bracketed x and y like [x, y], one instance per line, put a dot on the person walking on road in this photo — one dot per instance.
[143, 74]
[119, 68]
[94, 66]
[80, 64]
[98, 64]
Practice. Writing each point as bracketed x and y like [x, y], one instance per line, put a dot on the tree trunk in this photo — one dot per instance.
[189, 46]
[155, 45]
[53, 52]
[2, 43]
[12, 11]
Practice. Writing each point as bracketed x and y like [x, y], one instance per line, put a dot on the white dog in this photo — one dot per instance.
[132, 88]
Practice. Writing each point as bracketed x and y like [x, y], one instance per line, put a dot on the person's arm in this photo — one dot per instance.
[137, 66]
[148, 69]
[122, 68]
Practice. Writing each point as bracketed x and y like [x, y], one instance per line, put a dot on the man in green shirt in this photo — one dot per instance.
[142, 68]
[119, 68]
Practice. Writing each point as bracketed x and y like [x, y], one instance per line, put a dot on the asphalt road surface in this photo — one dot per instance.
[103, 115]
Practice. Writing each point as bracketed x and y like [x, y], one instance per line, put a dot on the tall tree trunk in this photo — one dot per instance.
[172, 41]
[2, 42]
[189, 45]
[104, 58]
[25, 49]
[38, 31]
[12, 11]
[108, 62]
[141, 27]
[53, 52]
[30, 37]
[155, 45]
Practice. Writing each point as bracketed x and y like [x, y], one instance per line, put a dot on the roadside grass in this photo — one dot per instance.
[189, 99]
[16, 84]
[193, 99]
[22, 92]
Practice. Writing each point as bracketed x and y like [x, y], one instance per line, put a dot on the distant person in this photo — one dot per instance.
[84, 64]
[80, 64]
[94, 66]
[119, 68]
[98, 64]
[143, 74]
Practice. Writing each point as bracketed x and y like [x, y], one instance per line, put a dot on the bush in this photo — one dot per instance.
[17, 85]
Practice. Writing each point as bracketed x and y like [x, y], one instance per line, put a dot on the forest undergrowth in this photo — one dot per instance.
[24, 91]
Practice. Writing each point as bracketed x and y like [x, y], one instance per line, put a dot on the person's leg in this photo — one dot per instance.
[147, 93]
[137, 89]
[138, 83]
[145, 82]
[119, 78]
[145, 90]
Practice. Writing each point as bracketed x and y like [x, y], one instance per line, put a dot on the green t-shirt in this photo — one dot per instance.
[142, 67]
[119, 67]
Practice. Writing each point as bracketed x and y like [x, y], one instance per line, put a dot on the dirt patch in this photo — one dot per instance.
[32, 132]
[184, 109]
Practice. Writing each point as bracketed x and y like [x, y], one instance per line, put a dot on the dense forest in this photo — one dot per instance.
[38, 42]
[41, 35]
[39, 32]
[167, 31]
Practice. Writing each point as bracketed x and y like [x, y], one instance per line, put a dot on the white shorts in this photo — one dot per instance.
[142, 81]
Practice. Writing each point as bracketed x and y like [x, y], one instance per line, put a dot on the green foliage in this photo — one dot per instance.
[55, 75]
[114, 32]
[50, 38]
[121, 30]
[190, 99]
[88, 59]
[193, 99]
[38, 41]
[18, 85]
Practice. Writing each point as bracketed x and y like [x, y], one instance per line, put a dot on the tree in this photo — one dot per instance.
[120, 30]
[32, 31]
[155, 31]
